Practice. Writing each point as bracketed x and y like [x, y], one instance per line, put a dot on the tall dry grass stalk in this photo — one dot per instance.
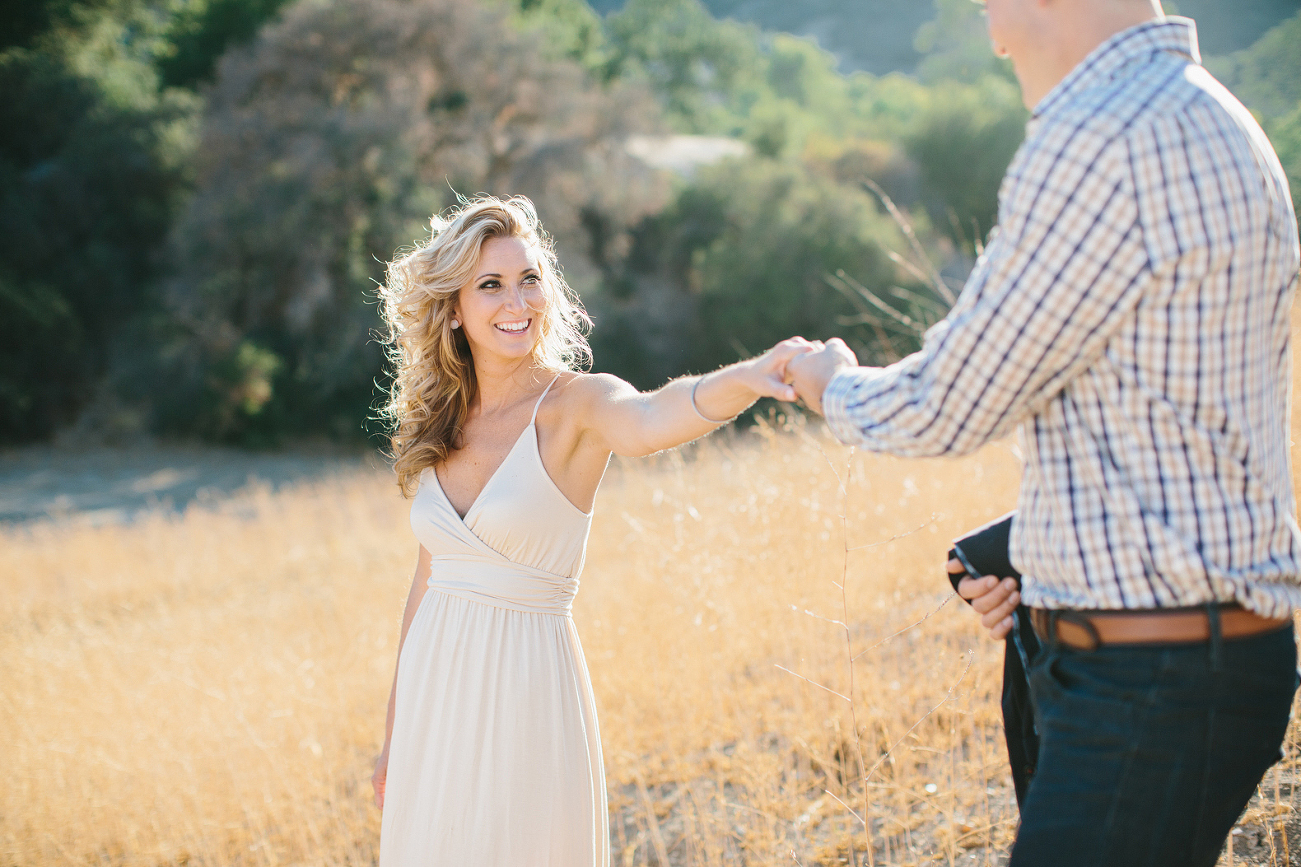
[209, 688]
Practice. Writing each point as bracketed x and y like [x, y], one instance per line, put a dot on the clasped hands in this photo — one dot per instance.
[808, 365]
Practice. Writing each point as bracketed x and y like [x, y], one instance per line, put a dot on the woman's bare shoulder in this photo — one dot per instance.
[581, 402]
[585, 389]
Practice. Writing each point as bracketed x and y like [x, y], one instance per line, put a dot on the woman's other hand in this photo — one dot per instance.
[379, 779]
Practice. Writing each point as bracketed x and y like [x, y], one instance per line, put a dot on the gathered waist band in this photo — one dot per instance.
[510, 586]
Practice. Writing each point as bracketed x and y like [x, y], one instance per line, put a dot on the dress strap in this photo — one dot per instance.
[544, 394]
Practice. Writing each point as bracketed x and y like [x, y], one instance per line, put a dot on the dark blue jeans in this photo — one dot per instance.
[1149, 754]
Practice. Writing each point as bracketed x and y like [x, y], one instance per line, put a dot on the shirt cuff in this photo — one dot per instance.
[834, 409]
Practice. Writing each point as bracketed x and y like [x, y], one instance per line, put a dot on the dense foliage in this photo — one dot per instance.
[326, 145]
[738, 261]
[92, 163]
[198, 196]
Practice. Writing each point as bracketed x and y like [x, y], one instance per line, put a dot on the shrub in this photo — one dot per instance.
[741, 260]
[962, 145]
[326, 145]
[92, 162]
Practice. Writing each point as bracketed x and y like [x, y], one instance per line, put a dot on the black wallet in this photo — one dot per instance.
[983, 551]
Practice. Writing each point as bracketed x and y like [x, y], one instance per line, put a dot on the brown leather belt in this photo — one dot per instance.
[1089, 630]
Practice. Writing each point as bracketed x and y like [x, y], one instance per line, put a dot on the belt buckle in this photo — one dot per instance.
[1078, 619]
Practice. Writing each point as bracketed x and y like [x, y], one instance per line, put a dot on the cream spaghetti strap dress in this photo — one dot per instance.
[495, 759]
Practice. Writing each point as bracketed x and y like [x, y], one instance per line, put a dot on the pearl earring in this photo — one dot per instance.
[456, 323]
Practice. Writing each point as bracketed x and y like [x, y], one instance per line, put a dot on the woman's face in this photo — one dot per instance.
[501, 306]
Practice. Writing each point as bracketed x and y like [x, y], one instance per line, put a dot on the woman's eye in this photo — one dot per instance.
[490, 284]
[533, 279]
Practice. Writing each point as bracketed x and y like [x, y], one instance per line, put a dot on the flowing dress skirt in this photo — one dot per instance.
[495, 759]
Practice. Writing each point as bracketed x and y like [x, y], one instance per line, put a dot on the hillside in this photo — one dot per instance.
[877, 35]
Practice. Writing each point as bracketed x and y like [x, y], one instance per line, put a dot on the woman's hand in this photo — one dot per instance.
[379, 779]
[767, 372]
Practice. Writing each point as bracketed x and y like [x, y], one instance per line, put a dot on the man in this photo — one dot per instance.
[1131, 320]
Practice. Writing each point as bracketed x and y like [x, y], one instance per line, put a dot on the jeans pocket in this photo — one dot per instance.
[1261, 670]
[1045, 679]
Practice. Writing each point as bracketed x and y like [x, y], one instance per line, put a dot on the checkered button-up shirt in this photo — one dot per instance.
[1130, 319]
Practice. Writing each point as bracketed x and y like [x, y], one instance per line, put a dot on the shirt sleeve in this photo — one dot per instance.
[1064, 269]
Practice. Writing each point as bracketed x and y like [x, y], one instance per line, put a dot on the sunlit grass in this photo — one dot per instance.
[209, 688]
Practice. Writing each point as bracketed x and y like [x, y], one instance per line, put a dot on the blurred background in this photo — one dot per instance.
[203, 557]
[197, 197]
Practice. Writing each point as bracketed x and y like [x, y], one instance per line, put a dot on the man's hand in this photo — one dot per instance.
[770, 369]
[993, 599]
[811, 372]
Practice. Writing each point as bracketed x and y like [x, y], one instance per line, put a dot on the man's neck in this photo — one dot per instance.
[1072, 30]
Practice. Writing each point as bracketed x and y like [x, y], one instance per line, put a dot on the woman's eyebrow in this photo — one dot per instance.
[529, 270]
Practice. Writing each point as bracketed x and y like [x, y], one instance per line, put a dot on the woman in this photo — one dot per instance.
[491, 754]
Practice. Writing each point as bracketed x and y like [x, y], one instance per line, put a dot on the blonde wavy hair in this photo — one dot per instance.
[433, 370]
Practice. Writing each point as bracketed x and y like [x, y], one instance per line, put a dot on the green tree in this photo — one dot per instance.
[741, 260]
[800, 94]
[92, 166]
[700, 68]
[202, 30]
[326, 145]
[955, 45]
[566, 29]
[962, 145]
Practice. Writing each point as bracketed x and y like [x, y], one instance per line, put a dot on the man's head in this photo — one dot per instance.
[1046, 39]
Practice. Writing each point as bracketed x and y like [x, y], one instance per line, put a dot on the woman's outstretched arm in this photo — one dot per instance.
[631, 423]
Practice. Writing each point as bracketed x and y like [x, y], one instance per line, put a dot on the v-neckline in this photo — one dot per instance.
[519, 439]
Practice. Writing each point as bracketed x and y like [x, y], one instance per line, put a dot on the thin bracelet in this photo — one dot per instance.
[696, 406]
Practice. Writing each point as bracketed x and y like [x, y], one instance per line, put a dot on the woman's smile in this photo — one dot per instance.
[516, 326]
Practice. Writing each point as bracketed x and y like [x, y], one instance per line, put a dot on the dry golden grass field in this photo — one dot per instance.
[782, 673]
[775, 652]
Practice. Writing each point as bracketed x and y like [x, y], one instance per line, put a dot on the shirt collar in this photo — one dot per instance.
[1172, 34]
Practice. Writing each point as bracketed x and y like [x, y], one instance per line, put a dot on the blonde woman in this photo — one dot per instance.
[491, 753]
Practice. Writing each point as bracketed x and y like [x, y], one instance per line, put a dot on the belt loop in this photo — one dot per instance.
[1217, 636]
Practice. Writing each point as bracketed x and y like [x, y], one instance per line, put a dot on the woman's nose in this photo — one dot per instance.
[523, 297]
[515, 298]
